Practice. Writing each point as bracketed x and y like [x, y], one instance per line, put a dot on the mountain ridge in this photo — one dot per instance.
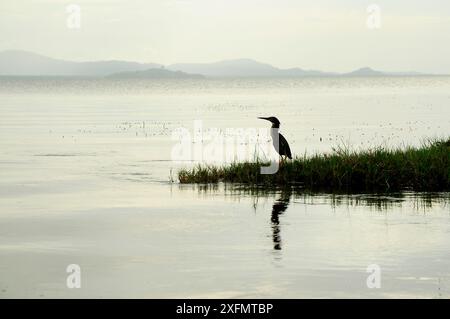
[16, 62]
[243, 67]
[155, 73]
[24, 63]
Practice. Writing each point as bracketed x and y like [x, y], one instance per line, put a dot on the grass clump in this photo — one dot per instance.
[425, 168]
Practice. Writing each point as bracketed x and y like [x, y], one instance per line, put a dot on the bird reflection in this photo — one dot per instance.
[280, 205]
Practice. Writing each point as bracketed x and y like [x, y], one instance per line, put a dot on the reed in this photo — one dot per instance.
[424, 168]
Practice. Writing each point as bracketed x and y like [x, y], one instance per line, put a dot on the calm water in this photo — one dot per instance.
[85, 169]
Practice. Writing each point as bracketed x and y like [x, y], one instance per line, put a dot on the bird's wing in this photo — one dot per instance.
[284, 147]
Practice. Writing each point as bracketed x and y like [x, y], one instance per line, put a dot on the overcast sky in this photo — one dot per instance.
[321, 34]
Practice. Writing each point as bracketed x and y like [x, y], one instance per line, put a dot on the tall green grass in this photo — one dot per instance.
[425, 168]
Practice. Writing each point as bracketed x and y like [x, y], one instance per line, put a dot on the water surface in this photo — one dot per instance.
[85, 170]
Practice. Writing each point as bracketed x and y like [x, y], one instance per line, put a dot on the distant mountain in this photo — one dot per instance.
[300, 72]
[365, 72]
[251, 68]
[368, 72]
[242, 68]
[159, 73]
[22, 63]
[28, 63]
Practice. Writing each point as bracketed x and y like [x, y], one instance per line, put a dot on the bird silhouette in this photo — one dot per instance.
[282, 147]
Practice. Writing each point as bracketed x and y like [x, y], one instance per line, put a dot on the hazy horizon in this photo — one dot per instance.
[412, 36]
[158, 64]
[240, 63]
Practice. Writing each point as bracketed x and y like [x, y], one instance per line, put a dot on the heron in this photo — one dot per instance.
[282, 147]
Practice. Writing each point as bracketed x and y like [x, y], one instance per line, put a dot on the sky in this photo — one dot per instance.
[321, 34]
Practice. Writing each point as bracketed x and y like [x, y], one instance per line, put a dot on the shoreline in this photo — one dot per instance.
[425, 168]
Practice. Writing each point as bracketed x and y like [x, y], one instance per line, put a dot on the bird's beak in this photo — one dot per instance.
[264, 118]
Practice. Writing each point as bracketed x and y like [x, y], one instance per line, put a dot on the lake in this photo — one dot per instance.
[87, 178]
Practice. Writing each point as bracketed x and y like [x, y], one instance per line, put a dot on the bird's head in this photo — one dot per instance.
[272, 119]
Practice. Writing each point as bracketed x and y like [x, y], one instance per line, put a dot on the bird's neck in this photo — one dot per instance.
[275, 125]
[274, 132]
